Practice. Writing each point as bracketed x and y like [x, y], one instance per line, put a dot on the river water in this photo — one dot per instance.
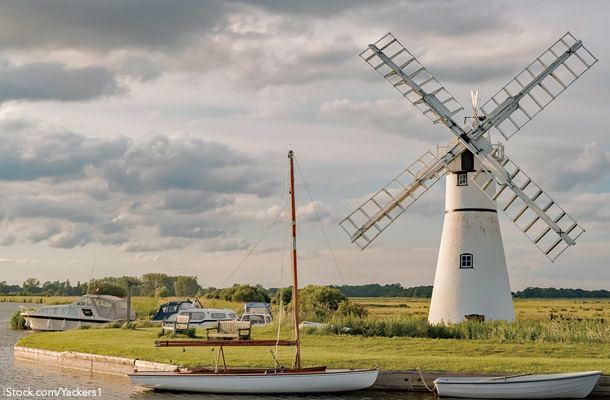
[25, 380]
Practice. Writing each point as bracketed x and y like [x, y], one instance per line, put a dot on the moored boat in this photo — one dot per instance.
[88, 310]
[206, 317]
[286, 381]
[575, 385]
[276, 380]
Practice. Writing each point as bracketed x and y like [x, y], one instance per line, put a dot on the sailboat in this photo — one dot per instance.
[277, 380]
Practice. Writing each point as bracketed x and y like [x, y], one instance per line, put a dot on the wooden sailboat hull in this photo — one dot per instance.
[576, 385]
[281, 382]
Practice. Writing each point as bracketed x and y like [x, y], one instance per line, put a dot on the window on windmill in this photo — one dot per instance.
[462, 179]
[466, 260]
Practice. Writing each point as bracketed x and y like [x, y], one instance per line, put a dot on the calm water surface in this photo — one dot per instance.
[21, 376]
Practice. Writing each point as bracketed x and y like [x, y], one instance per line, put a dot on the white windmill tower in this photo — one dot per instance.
[471, 275]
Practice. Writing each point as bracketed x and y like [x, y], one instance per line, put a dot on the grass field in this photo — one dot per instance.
[561, 347]
[524, 308]
[340, 351]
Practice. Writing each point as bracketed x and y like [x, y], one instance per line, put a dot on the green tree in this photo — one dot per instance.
[186, 286]
[153, 281]
[162, 292]
[286, 296]
[247, 293]
[31, 286]
[105, 287]
[320, 298]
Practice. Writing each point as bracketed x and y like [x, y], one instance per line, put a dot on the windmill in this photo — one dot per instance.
[471, 275]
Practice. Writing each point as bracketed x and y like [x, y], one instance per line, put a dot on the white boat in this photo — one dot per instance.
[206, 317]
[268, 381]
[277, 380]
[576, 385]
[89, 310]
[257, 319]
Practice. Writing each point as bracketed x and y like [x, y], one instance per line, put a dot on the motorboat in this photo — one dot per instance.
[168, 311]
[206, 317]
[575, 385]
[277, 380]
[257, 319]
[88, 310]
[259, 314]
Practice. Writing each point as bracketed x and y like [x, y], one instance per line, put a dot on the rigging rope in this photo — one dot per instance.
[254, 247]
[321, 226]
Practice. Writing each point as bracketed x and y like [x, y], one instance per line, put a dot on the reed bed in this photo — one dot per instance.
[521, 331]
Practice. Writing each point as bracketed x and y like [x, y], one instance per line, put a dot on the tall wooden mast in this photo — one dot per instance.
[295, 285]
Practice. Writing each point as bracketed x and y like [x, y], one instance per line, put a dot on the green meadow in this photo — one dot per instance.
[394, 336]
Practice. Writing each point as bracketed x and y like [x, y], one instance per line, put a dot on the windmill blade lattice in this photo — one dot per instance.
[542, 220]
[539, 84]
[377, 213]
[391, 60]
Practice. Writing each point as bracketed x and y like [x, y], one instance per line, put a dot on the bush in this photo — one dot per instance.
[190, 333]
[17, 320]
[354, 309]
[129, 325]
[319, 302]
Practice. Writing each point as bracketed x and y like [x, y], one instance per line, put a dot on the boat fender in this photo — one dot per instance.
[63, 325]
[49, 323]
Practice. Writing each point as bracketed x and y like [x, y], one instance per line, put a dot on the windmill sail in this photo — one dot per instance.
[542, 220]
[508, 111]
[401, 69]
[377, 213]
[538, 85]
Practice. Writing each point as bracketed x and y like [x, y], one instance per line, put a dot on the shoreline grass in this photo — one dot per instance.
[340, 351]
[532, 344]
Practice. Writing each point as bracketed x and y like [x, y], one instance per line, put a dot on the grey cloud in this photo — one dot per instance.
[155, 245]
[476, 73]
[36, 154]
[193, 201]
[9, 240]
[106, 24]
[74, 235]
[387, 115]
[51, 228]
[222, 244]
[188, 228]
[185, 163]
[34, 208]
[556, 166]
[113, 227]
[315, 8]
[45, 81]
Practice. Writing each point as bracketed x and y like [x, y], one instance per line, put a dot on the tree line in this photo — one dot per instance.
[163, 285]
[390, 290]
[552, 293]
[152, 285]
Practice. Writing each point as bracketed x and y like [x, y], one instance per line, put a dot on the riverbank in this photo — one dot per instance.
[408, 380]
[343, 351]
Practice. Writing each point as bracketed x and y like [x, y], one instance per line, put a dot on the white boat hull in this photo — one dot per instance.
[60, 324]
[576, 385]
[307, 382]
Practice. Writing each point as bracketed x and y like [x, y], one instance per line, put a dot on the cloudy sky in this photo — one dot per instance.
[151, 136]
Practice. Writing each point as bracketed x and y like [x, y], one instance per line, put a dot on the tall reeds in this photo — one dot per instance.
[569, 331]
